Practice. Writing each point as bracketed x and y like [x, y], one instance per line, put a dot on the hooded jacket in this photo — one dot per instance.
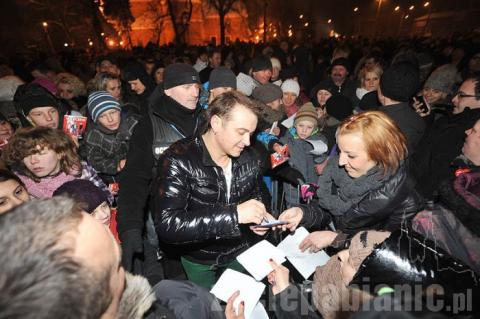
[191, 208]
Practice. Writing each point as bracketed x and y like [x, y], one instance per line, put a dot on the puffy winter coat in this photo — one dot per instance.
[383, 208]
[191, 206]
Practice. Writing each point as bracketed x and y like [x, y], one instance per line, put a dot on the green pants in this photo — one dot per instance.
[206, 275]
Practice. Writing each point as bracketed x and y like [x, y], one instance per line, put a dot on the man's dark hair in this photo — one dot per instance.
[223, 105]
[476, 80]
[39, 277]
[212, 53]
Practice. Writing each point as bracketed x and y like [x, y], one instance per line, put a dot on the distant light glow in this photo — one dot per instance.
[65, 44]
[411, 8]
[397, 8]
[355, 9]
[306, 24]
[426, 4]
[300, 16]
[329, 21]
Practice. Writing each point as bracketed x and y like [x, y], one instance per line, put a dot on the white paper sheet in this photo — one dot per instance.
[256, 259]
[288, 123]
[259, 312]
[319, 147]
[304, 262]
[250, 290]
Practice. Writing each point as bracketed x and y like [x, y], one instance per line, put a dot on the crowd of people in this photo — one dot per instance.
[372, 146]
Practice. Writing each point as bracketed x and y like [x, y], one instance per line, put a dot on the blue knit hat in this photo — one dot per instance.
[99, 102]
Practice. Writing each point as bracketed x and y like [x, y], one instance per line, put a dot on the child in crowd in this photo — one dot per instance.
[106, 143]
[305, 128]
[93, 200]
[44, 159]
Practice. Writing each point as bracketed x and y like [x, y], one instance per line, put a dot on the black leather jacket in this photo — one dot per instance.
[191, 207]
[384, 208]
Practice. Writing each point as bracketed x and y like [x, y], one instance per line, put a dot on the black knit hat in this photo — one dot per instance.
[323, 85]
[267, 93]
[400, 82]
[32, 101]
[84, 192]
[134, 71]
[339, 107]
[342, 62]
[261, 63]
[179, 74]
[222, 77]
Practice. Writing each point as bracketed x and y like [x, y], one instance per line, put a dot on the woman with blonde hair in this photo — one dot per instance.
[44, 159]
[71, 89]
[365, 187]
[369, 77]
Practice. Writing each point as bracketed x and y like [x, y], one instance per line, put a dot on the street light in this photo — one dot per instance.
[426, 4]
[329, 21]
[355, 9]
[45, 24]
[406, 17]
[300, 16]
[306, 24]
[411, 8]
[397, 8]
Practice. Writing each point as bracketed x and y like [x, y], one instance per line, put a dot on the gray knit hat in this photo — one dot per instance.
[267, 93]
[222, 77]
[442, 79]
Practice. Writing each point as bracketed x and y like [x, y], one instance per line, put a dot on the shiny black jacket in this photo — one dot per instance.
[191, 207]
[384, 208]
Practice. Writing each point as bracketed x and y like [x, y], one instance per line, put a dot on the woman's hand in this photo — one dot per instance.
[230, 312]
[293, 216]
[318, 240]
[278, 278]
[420, 106]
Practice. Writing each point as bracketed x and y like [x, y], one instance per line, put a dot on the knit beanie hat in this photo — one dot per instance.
[179, 74]
[133, 71]
[400, 82]
[442, 79]
[323, 85]
[222, 77]
[267, 93]
[341, 62]
[84, 192]
[33, 101]
[306, 113]
[291, 86]
[261, 63]
[339, 107]
[99, 102]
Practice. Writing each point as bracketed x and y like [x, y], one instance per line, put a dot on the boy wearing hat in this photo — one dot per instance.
[222, 80]
[107, 141]
[261, 70]
[171, 116]
[305, 127]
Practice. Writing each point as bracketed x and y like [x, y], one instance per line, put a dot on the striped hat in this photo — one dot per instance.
[99, 102]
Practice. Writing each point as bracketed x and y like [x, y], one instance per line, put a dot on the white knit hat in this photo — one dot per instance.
[291, 86]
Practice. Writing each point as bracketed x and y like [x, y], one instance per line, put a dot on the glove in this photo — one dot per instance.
[132, 244]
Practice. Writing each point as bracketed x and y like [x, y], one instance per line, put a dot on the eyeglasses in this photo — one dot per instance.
[462, 95]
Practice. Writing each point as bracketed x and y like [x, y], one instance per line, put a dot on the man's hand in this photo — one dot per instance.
[230, 312]
[293, 216]
[278, 278]
[318, 240]
[423, 109]
[251, 212]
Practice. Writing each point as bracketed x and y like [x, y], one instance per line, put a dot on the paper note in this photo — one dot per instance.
[319, 147]
[259, 312]
[256, 259]
[304, 262]
[288, 123]
[250, 290]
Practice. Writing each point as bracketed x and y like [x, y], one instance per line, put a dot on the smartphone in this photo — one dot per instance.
[423, 103]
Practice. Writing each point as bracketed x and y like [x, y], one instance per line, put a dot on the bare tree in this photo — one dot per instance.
[223, 7]
[119, 10]
[158, 14]
[180, 19]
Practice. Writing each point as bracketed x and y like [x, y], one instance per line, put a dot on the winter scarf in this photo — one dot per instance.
[338, 191]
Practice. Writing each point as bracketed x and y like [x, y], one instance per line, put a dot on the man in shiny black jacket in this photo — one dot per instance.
[209, 188]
